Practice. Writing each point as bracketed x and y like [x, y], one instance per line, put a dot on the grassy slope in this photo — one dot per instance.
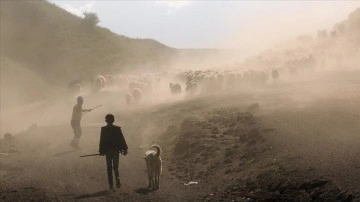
[20, 90]
[53, 43]
[45, 47]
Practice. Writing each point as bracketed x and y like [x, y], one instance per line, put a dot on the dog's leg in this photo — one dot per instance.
[148, 168]
[157, 180]
[149, 186]
[152, 182]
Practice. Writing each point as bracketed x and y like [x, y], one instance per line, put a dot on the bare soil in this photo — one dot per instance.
[300, 142]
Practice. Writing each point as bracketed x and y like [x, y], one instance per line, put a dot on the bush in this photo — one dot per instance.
[90, 20]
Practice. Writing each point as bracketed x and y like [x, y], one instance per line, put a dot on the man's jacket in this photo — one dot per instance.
[111, 139]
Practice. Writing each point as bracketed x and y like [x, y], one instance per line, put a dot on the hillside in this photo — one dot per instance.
[335, 47]
[44, 47]
[54, 44]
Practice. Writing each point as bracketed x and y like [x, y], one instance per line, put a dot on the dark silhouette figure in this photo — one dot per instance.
[112, 142]
[75, 121]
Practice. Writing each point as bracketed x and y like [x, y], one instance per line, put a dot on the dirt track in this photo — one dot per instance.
[301, 144]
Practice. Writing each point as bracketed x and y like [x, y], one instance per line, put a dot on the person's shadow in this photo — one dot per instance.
[64, 153]
[144, 191]
[93, 195]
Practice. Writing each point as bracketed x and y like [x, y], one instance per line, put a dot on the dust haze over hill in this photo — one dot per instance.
[279, 125]
[53, 44]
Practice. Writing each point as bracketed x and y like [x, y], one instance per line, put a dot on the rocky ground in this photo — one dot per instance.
[290, 142]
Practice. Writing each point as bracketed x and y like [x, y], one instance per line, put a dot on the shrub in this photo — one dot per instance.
[90, 20]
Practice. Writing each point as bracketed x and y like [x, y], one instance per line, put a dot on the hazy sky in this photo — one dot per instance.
[215, 24]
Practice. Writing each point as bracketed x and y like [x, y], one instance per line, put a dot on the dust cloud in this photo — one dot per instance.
[218, 114]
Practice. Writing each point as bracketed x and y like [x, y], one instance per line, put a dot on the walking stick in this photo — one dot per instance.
[90, 155]
[92, 109]
[120, 152]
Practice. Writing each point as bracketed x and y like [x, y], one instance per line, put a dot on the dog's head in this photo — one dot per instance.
[149, 155]
[150, 158]
[153, 155]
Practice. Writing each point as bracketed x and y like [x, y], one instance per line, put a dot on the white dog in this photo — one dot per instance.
[154, 166]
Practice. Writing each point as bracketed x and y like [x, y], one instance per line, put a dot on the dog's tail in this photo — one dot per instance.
[158, 150]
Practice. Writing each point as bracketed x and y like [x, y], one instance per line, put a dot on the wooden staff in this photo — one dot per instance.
[90, 155]
[92, 109]
[120, 152]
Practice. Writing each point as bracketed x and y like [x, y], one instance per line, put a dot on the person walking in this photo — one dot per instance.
[75, 121]
[112, 142]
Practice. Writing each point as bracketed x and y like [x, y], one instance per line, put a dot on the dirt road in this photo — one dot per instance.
[301, 144]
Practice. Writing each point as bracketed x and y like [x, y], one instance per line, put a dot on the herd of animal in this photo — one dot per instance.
[267, 68]
[190, 82]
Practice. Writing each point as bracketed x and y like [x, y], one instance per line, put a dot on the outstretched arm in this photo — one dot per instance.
[86, 110]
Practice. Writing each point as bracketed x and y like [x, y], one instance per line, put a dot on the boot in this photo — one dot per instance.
[118, 184]
[75, 143]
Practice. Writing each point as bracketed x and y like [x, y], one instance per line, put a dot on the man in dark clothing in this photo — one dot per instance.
[112, 142]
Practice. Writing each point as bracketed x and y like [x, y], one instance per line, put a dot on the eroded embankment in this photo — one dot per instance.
[232, 152]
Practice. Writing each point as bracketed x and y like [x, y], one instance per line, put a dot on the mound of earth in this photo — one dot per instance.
[221, 139]
[228, 151]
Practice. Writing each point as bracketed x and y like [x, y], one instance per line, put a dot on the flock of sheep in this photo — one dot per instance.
[192, 82]
[332, 47]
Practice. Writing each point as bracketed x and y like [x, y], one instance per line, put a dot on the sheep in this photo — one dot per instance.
[175, 88]
[75, 87]
[128, 98]
[137, 93]
[275, 75]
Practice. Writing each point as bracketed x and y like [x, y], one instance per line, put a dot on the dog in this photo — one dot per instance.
[154, 166]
